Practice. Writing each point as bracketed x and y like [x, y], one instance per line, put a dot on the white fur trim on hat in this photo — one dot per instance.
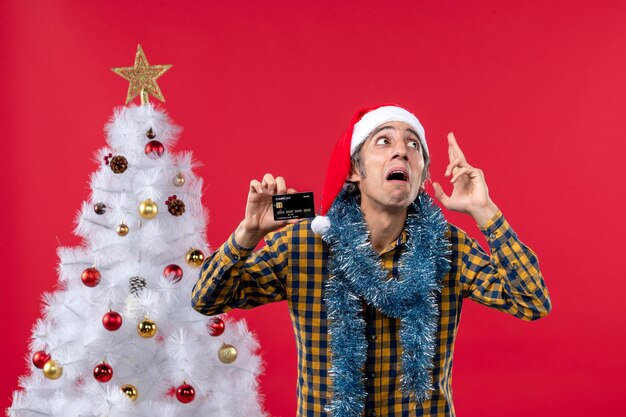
[320, 225]
[381, 115]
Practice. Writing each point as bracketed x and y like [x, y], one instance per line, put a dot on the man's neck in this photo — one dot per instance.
[384, 226]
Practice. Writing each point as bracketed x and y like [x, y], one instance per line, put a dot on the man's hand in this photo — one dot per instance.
[470, 194]
[259, 219]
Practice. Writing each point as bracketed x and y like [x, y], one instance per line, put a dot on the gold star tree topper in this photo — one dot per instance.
[142, 77]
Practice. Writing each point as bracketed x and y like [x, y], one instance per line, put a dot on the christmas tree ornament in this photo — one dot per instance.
[40, 358]
[173, 272]
[103, 372]
[175, 206]
[100, 208]
[148, 209]
[118, 164]
[179, 179]
[185, 393]
[146, 328]
[121, 229]
[112, 321]
[142, 77]
[90, 277]
[130, 391]
[195, 257]
[154, 149]
[227, 354]
[216, 326]
[136, 284]
[150, 134]
[52, 370]
[107, 157]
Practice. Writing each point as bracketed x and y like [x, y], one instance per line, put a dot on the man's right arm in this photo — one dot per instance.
[237, 277]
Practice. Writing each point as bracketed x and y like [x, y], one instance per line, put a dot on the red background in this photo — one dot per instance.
[534, 90]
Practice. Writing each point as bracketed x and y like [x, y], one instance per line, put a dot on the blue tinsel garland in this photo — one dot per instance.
[357, 273]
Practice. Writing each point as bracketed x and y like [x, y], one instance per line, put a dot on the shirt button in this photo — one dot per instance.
[492, 236]
[372, 374]
[515, 265]
[372, 338]
[236, 257]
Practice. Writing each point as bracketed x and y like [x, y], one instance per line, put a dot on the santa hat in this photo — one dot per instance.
[362, 124]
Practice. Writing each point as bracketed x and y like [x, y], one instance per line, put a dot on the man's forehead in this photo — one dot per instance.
[397, 126]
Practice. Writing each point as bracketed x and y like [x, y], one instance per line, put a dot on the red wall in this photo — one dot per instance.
[534, 90]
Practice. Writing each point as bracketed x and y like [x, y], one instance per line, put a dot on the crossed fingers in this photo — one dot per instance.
[458, 165]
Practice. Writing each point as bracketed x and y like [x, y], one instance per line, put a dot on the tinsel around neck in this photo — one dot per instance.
[357, 275]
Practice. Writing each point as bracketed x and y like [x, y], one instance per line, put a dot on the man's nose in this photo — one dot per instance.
[400, 151]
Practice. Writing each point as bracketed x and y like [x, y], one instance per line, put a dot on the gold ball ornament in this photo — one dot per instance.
[227, 354]
[121, 229]
[147, 328]
[130, 391]
[179, 180]
[148, 209]
[52, 370]
[195, 257]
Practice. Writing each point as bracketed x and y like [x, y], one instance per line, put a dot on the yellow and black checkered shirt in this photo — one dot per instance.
[294, 265]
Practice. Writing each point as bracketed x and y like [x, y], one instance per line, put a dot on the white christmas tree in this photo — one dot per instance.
[119, 337]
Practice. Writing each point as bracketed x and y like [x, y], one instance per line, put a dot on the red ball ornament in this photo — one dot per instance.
[154, 149]
[90, 277]
[40, 358]
[173, 272]
[185, 393]
[112, 321]
[103, 372]
[216, 327]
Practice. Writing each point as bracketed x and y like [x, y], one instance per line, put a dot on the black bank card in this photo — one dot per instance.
[293, 206]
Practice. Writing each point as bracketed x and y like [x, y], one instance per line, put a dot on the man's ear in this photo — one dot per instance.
[354, 176]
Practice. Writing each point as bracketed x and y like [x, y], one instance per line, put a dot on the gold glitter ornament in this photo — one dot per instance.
[146, 328]
[121, 229]
[195, 257]
[148, 209]
[130, 391]
[179, 180]
[227, 354]
[142, 77]
[52, 370]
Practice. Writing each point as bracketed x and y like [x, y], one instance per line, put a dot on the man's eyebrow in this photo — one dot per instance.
[414, 132]
[381, 128]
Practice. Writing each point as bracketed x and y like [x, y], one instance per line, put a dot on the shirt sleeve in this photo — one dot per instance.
[236, 277]
[508, 278]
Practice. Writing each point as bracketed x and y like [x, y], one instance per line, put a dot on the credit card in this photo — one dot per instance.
[293, 206]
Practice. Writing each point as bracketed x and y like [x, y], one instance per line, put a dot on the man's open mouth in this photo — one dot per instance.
[397, 175]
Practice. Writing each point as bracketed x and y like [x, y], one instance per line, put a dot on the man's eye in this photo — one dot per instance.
[382, 141]
[414, 144]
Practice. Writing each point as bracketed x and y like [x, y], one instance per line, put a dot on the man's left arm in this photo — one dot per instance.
[509, 277]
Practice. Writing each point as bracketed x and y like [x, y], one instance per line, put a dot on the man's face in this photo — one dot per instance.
[393, 164]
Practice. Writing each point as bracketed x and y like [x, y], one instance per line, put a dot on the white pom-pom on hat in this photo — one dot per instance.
[320, 225]
[363, 123]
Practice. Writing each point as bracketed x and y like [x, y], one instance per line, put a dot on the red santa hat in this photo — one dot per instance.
[362, 124]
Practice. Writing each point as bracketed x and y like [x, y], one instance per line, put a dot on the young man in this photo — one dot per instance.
[375, 292]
